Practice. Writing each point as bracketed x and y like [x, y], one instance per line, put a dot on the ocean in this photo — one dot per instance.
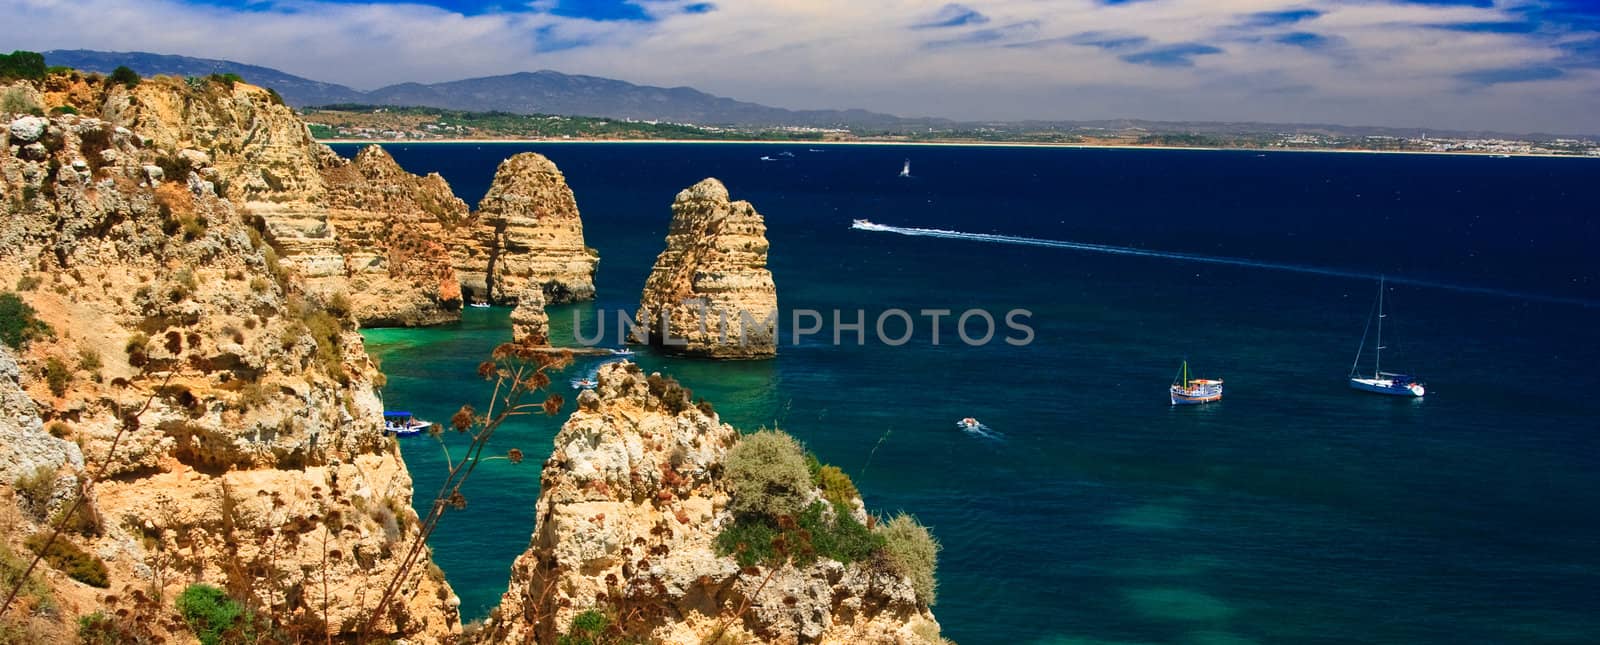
[1295, 510]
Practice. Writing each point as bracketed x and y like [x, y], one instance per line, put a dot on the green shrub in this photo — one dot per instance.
[18, 324]
[767, 475]
[57, 375]
[911, 550]
[753, 540]
[22, 64]
[99, 629]
[836, 486]
[18, 101]
[213, 616]
[227, 80]
[36, 489]
[33, 589]
[588, 628]
[89, 359]
[68, 558]
[124, 76]
[28, 282]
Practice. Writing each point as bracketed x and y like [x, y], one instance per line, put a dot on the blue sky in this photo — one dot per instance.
[1515, 65]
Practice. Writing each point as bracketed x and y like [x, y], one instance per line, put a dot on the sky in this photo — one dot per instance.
[1508, 65]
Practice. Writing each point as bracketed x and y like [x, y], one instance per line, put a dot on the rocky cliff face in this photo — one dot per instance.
[631, 502]
[710, 290]
[257, 463]
[528, 231]
[394, 230]
[399, 247]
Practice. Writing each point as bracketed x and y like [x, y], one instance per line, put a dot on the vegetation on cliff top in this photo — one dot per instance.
[771, 480]
[21, 64]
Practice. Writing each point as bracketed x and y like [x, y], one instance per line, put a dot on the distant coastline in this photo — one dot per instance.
[959, 144]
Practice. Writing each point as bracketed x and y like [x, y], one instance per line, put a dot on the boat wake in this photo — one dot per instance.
[864, 225]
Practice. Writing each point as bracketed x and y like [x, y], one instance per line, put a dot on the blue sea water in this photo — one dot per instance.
[1295, 510]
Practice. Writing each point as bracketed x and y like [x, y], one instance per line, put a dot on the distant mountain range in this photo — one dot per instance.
[543, 92]
[549, 92]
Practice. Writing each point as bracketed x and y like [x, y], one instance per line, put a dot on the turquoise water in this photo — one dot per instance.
[1293, 511]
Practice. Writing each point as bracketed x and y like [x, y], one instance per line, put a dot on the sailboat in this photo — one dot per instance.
[905, 171]
[1381, 382]
[1194, 391]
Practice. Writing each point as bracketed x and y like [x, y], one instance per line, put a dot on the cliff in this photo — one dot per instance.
[402, 249]
[231, 394]
[710, 290]
[636, 505]
[528, 231]
[394, 231]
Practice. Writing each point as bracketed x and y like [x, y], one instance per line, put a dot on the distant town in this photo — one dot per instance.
[388, 123]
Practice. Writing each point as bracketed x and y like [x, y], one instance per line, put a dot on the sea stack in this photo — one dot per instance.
[529, 323]
[635, 506]
[710, 294]
[529, 231]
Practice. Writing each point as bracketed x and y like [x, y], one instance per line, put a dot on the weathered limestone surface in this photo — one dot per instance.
[630, 502]
[528, 230]
[710, 293]
[258, 452]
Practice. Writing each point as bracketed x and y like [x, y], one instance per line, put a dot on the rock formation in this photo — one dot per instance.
[710, 293]
[528, 231]
[528, 319]
[397, 247]
[392, 230]
[631, 502]
[236, 402]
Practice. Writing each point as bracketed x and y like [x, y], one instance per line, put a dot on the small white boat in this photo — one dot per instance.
[584, 383]
[969, 424]
[766, 158]
[905, 171]
[479, 305]
[622, 351]
[403, 424]
[1381, 382]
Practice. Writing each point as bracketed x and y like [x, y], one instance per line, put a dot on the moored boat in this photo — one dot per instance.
[403, 424]
[1381, 382]
[1194, 391]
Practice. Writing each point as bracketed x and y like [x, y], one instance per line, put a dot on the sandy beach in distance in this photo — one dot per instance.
[966, 144]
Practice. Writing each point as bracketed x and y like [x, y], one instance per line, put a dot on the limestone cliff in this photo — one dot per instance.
[393, 229]
[236, 404]
[631, 502]
[528, 231]
[528, 320]
[710, 293]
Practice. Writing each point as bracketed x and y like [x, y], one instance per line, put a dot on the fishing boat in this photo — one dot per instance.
[1194, 391]
[969, 424]
[905, 171]
[403, 424]
[1381, 382]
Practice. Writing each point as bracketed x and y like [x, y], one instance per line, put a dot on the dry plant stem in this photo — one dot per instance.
[512, 382]
[83, 493]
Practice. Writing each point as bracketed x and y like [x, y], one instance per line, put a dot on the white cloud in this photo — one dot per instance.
[1385, 66]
